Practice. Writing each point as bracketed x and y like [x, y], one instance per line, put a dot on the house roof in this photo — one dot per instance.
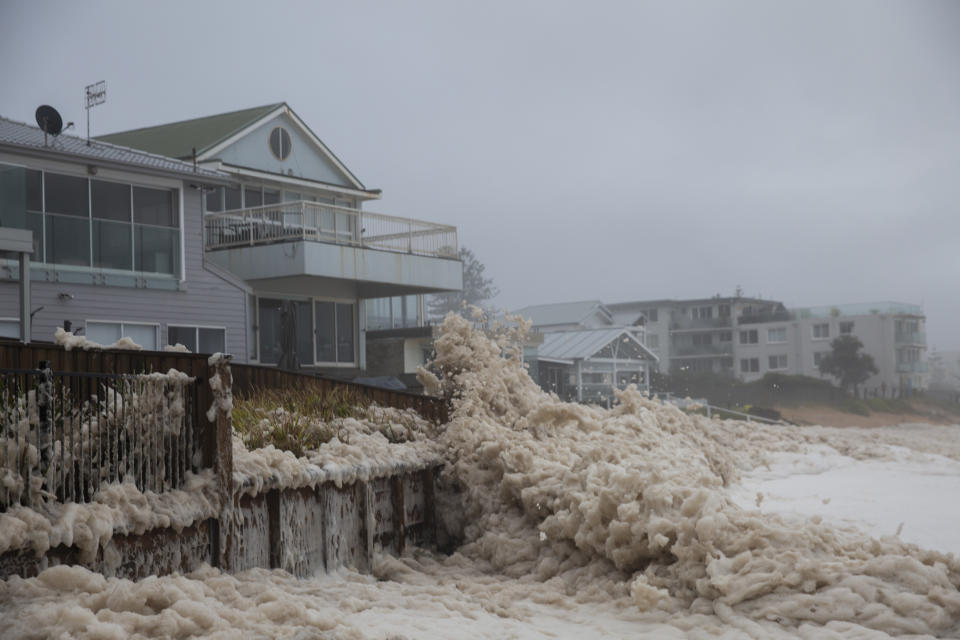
[561, 312]
[177, 139]
[581, 345]
[31, 138]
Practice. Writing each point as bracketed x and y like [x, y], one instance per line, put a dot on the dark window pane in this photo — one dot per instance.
[326, 331]
[13, 197]
[280, 143]
[154, 206]
[34, 190]
[66, 194]
[345, 333]
[252, 198]
[111, 245]
[232, 198]
[111, 201]
[304, 331]
[187, 336]
[271, 197]
[212, 341]
[215, 200]
[157, 250]
[270, 325]
[68, 240]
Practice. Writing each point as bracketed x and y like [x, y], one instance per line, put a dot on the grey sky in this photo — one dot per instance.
[806, 151]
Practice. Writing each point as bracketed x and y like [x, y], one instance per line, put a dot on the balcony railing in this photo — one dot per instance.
[912, 367]
[302, 220]
[910, 337]
[773, 316]
[699, 324]
[701, 350]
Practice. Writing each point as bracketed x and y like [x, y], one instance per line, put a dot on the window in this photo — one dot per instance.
[9, 328]
[107, 333]
[652, 315]
[749, 337]
[198, 339]
[653, 341]
[821, 331]
[777, 335]
[280, 144]
[777, 362]
[252, 197]
[846, 328]
[724, 311]
[702, 340]
[750, 365]
[334, 332]
[393, 313]
[701, 313]
[726, 336]
[99, 224]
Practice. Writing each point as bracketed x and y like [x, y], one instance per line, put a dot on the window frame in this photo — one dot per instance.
[777, 329]
[750, 333]
[312, 300]
[813, 331]
[196, 333]
[122, 323]
[777, 367]
[45, 167]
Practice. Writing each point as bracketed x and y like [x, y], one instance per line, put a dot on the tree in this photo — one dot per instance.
[846, 363]
[476, 288]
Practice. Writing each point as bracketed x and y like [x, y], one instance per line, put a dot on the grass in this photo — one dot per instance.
[295, 420]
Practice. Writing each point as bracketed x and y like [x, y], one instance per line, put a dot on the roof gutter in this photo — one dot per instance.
[47, 152]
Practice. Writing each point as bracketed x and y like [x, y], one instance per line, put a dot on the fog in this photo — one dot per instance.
[805, 151]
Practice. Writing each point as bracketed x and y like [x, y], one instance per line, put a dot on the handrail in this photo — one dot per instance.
[331, 224]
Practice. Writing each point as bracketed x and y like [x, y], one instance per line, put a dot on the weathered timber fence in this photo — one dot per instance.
[64, 435]
[246, 377]
[90, 395]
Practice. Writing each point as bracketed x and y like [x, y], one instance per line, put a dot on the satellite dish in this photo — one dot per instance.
[49, 120]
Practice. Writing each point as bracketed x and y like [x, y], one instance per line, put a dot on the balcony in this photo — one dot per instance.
[294, 247]
[703, 350]
[910, 337]
[912, 367]
[700, 324]
[302, 220]
[771, 316]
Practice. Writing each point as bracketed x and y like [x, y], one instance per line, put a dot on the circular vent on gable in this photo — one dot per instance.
[280, 143]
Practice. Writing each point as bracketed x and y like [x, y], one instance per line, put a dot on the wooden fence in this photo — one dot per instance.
[246, 378]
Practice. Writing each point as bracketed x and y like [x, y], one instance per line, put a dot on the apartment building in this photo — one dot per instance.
[697, 335]
[892, 333]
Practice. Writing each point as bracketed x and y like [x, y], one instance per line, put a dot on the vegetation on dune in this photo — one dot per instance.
[300, 420]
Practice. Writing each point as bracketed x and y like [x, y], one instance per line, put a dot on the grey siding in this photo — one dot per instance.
[208, 298]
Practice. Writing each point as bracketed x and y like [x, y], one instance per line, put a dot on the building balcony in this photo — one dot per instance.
[910, 337]
[701, 351]
[772, 316]
[302, 242]
[912, 367]
[700, 324]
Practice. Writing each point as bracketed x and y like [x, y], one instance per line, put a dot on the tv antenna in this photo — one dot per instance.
[49, 120]
[96, 94]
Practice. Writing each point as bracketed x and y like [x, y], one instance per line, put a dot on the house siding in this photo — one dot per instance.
[208, 299]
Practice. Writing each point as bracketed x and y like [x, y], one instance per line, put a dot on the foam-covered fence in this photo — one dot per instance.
[64, 435]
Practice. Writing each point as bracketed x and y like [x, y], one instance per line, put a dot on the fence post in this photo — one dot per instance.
[218, 452]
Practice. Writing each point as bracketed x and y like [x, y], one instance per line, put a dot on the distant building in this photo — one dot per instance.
[892, 333]
[750, 337]
[698, 334]
[585, 353]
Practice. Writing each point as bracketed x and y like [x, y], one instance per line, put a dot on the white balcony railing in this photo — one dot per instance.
[302, 220]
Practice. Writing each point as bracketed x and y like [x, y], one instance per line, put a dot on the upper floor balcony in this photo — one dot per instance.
[387, 255]
[918, 338]
[682, 323]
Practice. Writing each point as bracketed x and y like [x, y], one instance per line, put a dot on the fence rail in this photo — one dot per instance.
[63, 435]
[304, 220]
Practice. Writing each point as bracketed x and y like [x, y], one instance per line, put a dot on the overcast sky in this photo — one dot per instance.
[805, 151]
